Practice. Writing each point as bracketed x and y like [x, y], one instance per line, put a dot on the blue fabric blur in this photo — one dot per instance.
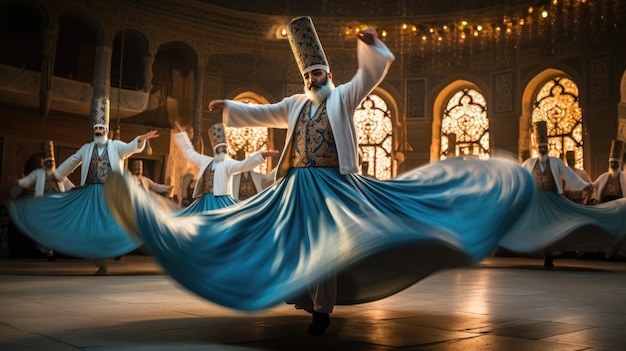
[551, 220]
[77, 223]
[206, 202]
[379, 237]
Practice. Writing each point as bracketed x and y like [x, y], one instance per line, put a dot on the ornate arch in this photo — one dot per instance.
[439, 108]
[541, 89]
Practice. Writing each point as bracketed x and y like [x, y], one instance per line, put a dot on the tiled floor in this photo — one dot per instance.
[502, 304]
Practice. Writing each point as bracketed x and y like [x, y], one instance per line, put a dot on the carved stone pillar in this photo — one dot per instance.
[47, 60]
[148, 60]
[197, 105]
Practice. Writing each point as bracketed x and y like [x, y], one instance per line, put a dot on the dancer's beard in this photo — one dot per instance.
[220, 156]
[321, 93]
[100, 139]
[543, 158]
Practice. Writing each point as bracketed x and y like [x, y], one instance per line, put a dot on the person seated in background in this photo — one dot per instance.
[136, 169]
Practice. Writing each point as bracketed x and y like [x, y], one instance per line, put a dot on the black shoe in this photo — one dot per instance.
[51, 258]
[548, 262]
[321, 321]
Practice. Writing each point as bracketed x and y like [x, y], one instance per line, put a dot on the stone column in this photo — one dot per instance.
[47, 66]
[148, 60]
[197, 105]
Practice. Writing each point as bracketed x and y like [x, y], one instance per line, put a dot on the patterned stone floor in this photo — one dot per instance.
[501, 304]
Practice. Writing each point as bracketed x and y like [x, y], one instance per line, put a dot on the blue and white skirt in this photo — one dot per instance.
[378, 237]
[77, 223]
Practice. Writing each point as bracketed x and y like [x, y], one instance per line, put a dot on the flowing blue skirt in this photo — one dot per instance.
[378, 237]
[206, 202]
[77, 223]
[551, 220]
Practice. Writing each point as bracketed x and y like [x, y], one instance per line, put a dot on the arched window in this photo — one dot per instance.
[75, 50]
[20, 37]
[127, 60]
[374, 135]
[557, 103]
[465, 126]
[245, 141]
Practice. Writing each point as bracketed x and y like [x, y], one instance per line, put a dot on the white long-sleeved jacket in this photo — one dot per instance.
[224, 171]
[373, 60]
[118, 152]
[559, 170]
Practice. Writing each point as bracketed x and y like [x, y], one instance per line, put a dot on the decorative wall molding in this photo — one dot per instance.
[416, 98]
[503, 91]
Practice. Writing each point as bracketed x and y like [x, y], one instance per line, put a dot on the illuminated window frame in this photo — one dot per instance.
[465, 126]
[558, 103]
[249, 140]
[374, 130]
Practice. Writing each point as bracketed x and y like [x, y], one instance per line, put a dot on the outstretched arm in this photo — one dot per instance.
[367, 36]
[179, 129]
[216, 104]
[150, 135]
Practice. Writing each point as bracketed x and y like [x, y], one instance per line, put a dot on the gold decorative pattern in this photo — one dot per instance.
[313, 142]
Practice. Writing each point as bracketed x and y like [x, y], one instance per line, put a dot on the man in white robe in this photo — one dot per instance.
[577, 196]
[136, 169]
[249, 183]
[44, 182]
[549, 174]
[331, 110]
[611, 184]
[78, 222]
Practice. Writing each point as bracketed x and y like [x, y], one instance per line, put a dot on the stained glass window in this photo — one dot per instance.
[374, 129]
[465, 126]
[557, 103]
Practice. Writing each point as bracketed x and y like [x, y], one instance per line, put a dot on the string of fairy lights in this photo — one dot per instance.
[500, 33]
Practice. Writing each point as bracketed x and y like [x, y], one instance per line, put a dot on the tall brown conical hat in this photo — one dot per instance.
[541, 133]
[47, 150]
[570, 157]
[617, 147]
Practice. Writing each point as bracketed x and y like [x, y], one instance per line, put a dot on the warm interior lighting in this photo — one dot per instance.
[557, 104]
[544, 14]
[249, 140]
[466, 117]
[374, 130]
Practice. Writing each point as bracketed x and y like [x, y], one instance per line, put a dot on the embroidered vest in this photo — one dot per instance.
[613, 188]
[544, 180]
[99, 166]
[313, 143]
[206, 182]
[51, 186]
[246, 186]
